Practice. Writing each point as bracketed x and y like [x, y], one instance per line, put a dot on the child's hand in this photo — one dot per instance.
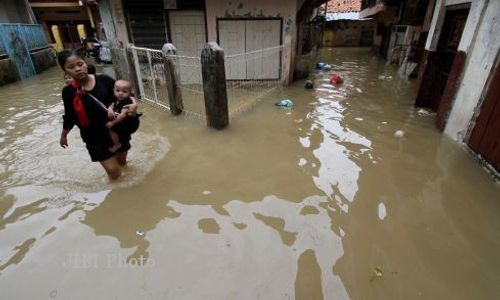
[131, 109]
[109, 124]
[111, 114]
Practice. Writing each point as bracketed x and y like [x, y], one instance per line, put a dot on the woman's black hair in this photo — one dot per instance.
[91, 69]
[64, 55]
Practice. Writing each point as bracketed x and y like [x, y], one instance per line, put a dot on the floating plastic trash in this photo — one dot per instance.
[308, 84]
[336, 79]
[140, 232]
[320, 66]
[284, 103]
[399, 133]
[327, 67]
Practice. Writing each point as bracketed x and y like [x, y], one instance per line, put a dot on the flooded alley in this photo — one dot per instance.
[350, 194]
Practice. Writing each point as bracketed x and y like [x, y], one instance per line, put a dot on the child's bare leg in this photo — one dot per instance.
[116, 141]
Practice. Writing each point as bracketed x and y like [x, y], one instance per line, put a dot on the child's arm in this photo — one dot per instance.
[118, 119]
[132, 108]
[111, 112]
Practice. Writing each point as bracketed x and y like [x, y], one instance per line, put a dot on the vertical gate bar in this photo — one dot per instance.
[138, 71]
[153, 79]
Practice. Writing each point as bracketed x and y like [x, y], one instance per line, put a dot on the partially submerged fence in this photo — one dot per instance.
[251, 76]
[192, 84]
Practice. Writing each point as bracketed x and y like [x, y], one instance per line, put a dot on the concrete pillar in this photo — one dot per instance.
[108, 23]
[173, 84]
[116, 34]
[214, 86]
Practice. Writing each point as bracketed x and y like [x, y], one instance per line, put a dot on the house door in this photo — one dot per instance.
[451, 35]
[485, 137]
[187, 32]
[237, 37]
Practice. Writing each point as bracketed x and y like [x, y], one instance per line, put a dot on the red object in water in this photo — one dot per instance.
[336, 79]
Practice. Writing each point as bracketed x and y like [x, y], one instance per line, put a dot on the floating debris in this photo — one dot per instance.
[320, 65]
[336, 79]
[382, 211]
[284, 103]
[377, 273]
[140, 232]
[399, 133]
[206, 192]
[424, 112]
[308, 84]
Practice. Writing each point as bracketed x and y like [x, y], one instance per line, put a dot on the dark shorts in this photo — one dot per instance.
[101, 152]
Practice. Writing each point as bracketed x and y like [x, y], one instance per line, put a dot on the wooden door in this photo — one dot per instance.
[485, 137]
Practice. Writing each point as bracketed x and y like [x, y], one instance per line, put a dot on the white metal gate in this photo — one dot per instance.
[242, 93]
[151, 75]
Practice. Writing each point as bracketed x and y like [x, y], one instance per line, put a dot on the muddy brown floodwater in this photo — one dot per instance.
[320, 201]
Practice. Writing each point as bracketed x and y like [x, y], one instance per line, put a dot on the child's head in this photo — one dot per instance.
[67, 79]
[122, 89]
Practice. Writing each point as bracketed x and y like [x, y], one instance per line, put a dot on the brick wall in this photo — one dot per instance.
[341, 6]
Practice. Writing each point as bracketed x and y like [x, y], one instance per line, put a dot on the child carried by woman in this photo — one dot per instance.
[122, 121]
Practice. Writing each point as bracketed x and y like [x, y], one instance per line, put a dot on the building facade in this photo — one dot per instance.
[237, 26]
[461, 64]
[344, 27]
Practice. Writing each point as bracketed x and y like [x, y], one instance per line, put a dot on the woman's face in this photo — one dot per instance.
[76, 67]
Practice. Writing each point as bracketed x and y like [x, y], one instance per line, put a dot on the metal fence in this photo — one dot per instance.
[250, 77]
[16, 42]
[34, 36]
[2, 50]
[151, 75]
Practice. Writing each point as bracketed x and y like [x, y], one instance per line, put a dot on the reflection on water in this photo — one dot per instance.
[300, 203]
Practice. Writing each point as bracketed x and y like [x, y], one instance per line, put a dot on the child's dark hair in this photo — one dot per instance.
[64, 55]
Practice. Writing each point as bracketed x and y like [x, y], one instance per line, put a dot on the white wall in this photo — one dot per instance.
[436, 25]
[481, 41]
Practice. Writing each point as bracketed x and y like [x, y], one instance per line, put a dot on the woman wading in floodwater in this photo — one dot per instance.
[86, 100]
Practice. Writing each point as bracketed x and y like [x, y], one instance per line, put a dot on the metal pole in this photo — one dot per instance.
[153, 79]
[138, 71]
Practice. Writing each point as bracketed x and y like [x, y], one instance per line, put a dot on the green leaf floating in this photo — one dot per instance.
[377, 273]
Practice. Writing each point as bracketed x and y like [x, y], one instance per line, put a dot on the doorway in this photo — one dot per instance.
[485, 137]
